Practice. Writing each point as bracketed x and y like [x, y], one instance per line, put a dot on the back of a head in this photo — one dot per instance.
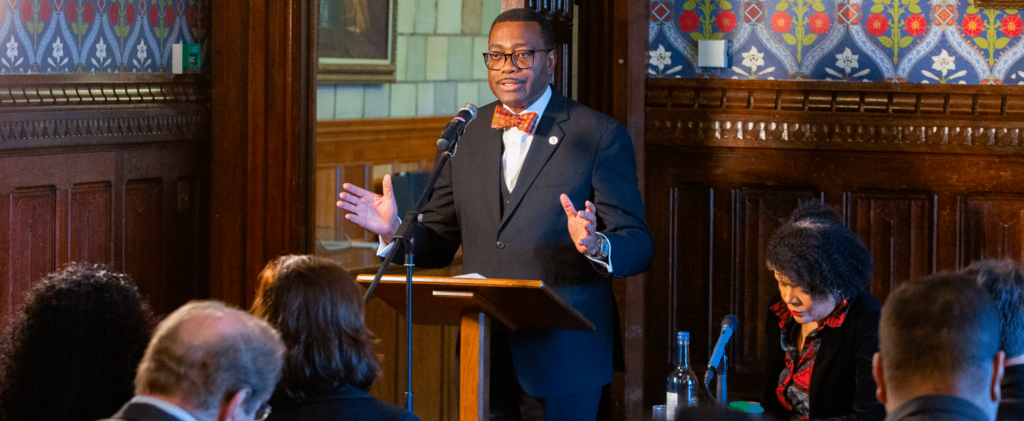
[1004, 282]
[206, 351]
[318, 308]
[936, 331]
[820, 254]
[79, 336]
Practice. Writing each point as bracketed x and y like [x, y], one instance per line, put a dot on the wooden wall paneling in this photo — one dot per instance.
[79, 138]
[689, 286]
[6, 259]
[929, 178]
[89, 228]
[262, 120]
[898, 229]
[993, 227]
[32, 242]
[630, 68]
[144, 237]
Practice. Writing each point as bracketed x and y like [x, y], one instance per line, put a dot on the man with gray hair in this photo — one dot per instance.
[206, 362]
[1004, 282]
[938, 353]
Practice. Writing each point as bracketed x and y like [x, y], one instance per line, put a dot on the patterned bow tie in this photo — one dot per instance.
[504, 118]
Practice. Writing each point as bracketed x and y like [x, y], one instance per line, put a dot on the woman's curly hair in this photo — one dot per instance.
[820, 254]
[71, 351]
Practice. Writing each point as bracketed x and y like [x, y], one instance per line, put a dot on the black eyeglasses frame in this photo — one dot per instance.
[510, 56]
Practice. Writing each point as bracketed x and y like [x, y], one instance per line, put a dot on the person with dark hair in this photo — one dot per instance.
[329, 364]
[938, 351]
[70, 352]
[206, 362]
[1004, 282]
[823, 321]
[544, 189]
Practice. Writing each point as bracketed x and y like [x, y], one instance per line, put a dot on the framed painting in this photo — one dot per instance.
[357, 42]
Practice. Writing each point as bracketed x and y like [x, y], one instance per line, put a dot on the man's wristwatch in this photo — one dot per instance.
[603, 248]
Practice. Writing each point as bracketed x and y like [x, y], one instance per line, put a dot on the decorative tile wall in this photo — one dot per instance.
[913, 41]
[439, 68]
[96, 36]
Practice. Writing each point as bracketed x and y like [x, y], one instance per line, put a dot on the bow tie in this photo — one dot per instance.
[504, 118]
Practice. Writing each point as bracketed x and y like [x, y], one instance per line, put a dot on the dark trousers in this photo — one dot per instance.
[509, 402]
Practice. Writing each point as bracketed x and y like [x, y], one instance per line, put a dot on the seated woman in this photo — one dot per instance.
[823, 327]
[329, 363]
[72, 348]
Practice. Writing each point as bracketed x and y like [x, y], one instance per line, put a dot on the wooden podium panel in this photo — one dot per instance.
[472, 304]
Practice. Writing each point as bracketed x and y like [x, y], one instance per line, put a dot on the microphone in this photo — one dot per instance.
[453, 130]
[728, 327]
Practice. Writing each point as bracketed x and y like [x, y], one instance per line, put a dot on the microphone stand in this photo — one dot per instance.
[723, 389]
[720, 371]
[404, 238]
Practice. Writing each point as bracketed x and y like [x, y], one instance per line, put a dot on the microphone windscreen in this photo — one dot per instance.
[730, 321]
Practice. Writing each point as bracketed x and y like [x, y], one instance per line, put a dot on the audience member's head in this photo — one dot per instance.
[939, 336]
[818, 254]
[79, 336]
[1004, 282]
[318, 308]
[212, 361]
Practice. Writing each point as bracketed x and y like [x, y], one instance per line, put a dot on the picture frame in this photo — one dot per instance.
[356, 42]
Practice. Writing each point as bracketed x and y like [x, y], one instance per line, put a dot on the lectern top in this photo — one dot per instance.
[515, 304]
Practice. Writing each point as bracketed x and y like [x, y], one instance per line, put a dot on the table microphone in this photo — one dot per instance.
[728, 327]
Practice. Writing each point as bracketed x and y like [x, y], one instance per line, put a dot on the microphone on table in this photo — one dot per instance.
[453, 130]
[728, 327]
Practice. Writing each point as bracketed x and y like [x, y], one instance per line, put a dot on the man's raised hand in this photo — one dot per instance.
[581, 226]
[375, 213]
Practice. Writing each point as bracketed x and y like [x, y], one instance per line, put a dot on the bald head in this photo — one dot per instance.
[206, 351]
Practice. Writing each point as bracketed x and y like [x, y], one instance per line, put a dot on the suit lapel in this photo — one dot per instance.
[540, 151]
[492, 151]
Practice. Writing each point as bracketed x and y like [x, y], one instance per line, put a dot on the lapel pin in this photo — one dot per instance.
[553, 140]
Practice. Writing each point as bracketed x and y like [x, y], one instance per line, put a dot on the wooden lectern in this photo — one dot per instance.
[472, 304]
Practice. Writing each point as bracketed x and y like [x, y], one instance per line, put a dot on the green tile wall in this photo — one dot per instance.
[437, 59]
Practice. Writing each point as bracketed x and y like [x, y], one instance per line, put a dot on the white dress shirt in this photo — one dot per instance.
[517, 142]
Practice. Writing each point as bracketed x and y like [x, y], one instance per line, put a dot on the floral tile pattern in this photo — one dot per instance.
[96, 36]
[899, 41]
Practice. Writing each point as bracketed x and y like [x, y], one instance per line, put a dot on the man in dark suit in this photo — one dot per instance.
[510, 196]
[206, 362]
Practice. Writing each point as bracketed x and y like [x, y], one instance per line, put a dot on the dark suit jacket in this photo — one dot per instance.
[841, 384]
[347, 404]
[576, 151]
[937, 408]
[141, 412]
[1011, 405]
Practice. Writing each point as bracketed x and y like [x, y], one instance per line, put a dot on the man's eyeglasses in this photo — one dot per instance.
[262, 413]
[522, 59]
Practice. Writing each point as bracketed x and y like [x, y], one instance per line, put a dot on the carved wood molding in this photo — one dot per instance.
[52, 91]
[41, 112]
[835, 115]
[378, 141]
